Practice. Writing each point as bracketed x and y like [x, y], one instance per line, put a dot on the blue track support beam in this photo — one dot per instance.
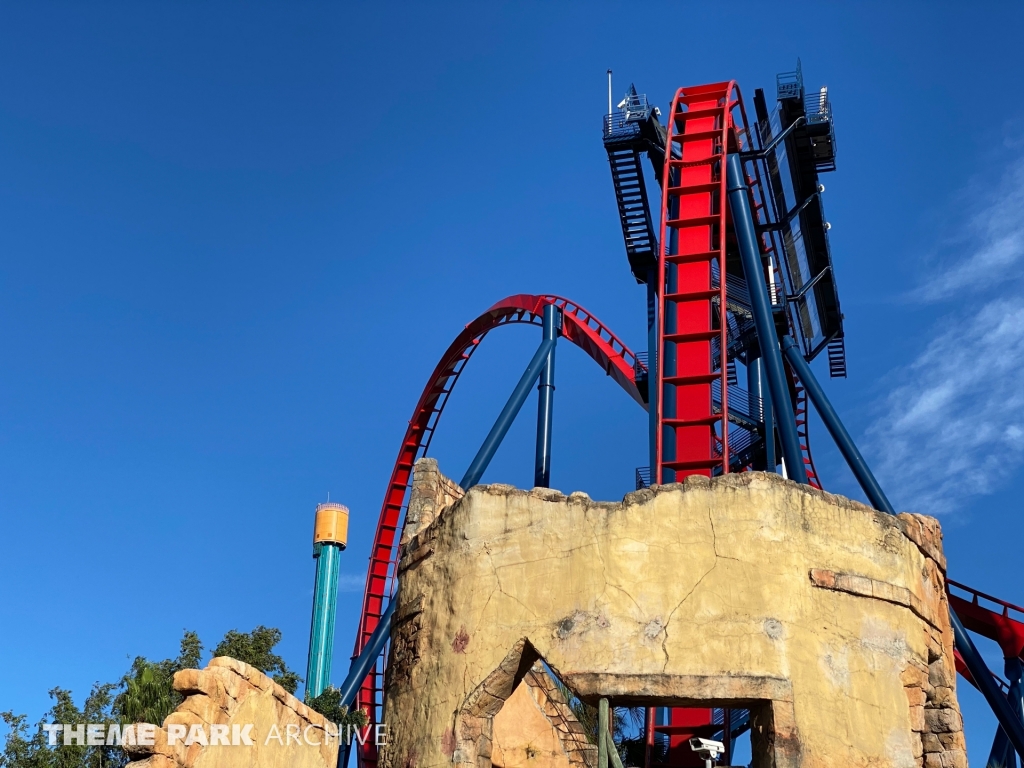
[546, 400]
[1008, 719]
[760, 303]
[363, 664]
[1002, 754]
[507, 416]
[652, 370]
[758, 388]
[325, 605]
[835, 427]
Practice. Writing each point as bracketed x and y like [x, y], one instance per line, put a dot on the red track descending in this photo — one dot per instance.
[995, 624]
[579, 327]
[803, 428]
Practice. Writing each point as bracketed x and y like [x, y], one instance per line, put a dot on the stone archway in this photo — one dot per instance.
[518, 717]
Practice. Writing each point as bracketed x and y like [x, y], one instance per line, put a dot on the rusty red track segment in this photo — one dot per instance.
[578, 326]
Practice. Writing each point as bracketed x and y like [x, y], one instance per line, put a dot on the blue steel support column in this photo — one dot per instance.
[652, 370]
[507, 416]
[758, 388]
[1010, 720]
[835, 427]
[363, 663]
[750, 256]
[545, 400]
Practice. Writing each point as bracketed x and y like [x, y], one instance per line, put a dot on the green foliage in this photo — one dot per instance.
[147, 695]
[256, 649]
[144, 695]
[328, 704]
[21, 749]
[25, 750]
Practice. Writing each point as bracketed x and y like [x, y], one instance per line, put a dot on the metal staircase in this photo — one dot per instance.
[634, 208]
[629, 132]
[837, 358]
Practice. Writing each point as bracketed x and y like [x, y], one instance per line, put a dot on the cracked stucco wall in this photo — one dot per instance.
[825, 617]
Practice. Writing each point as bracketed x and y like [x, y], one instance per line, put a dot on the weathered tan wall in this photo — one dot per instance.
[827, 618]
[229, 692]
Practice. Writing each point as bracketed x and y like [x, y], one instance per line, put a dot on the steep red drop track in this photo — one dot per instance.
[579, 327]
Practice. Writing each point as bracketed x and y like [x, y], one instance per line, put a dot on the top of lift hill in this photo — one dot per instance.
[791, 169]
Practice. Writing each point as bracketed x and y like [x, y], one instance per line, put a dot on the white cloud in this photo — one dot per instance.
[351, 582]
[993, 238]
[954, 427]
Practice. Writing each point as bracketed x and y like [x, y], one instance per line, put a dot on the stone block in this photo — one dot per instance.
[954, 759]
[942, 720]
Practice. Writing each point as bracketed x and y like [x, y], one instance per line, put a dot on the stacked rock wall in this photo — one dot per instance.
[234, 696]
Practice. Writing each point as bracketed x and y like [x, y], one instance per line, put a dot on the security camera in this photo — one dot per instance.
[707, 749]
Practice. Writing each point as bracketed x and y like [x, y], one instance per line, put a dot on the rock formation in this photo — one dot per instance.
[284, 732]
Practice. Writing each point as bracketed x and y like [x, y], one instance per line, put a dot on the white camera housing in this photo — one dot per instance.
[707, 748]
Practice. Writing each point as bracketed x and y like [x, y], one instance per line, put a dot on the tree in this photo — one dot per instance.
[256, 649]
[22, 750]
[144, 694]
[148, 695]
[328, 704]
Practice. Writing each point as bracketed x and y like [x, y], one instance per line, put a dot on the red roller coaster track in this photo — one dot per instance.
[578, 326]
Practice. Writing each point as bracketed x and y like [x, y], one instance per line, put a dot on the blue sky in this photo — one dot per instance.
[236, 238]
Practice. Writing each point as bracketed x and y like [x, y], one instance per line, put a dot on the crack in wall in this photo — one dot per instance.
[497, 578]
[597, 547]
[714, 549]
[664, 643]
[631, 599]
[714, 540]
